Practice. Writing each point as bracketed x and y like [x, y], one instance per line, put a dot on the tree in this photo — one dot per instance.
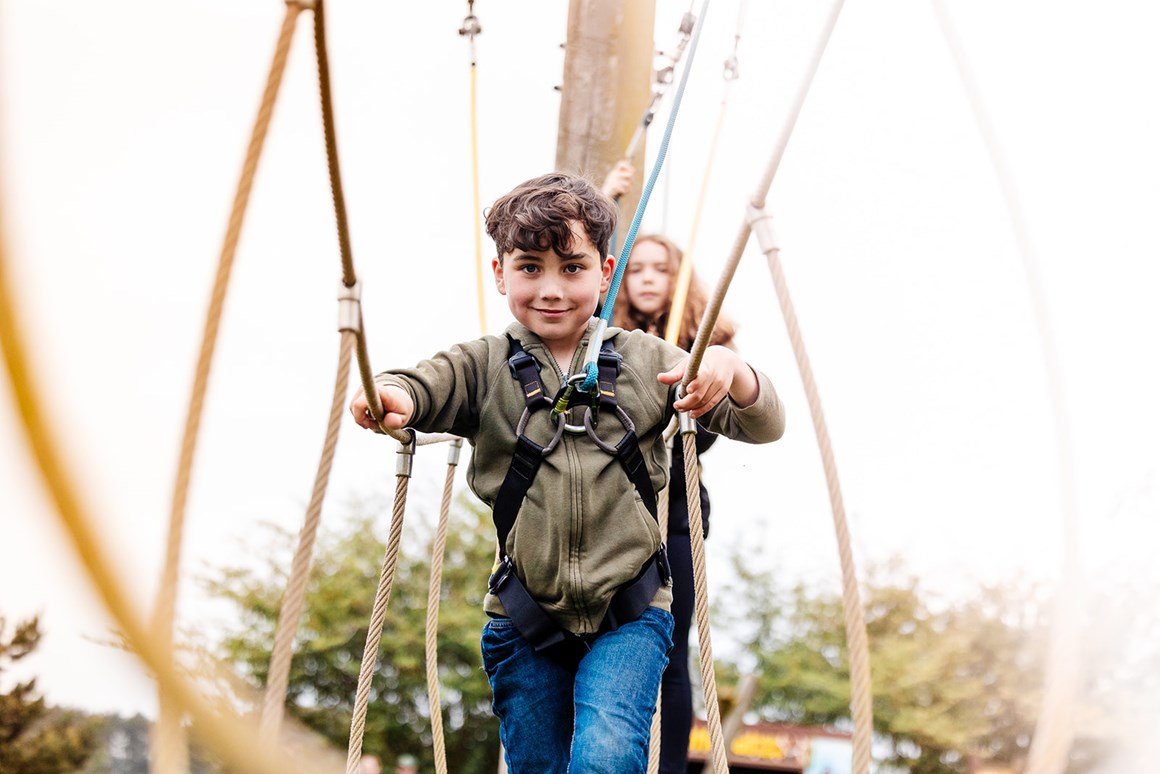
[35, 738]
[948, 681]
[332, 633]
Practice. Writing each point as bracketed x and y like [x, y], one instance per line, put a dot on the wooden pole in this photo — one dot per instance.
[608, 64]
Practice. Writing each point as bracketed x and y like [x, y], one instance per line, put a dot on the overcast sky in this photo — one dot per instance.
[123, 127]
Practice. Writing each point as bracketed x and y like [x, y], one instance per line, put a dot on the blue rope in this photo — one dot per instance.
[629, 238]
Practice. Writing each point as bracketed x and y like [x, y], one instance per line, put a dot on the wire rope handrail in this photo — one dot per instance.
[168, 745]
[730, 73]
[434, 588]
[861, 704]
[220, 727]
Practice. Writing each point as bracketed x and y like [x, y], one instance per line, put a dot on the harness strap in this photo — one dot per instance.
[533, 623]
[631, 599]
[541, 631]
[525, 464]
[526, 370]
[608, 368]
[628, 452]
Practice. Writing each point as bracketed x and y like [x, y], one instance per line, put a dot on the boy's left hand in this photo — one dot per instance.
[713, 382]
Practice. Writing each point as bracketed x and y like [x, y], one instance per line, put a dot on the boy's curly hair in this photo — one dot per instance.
[537, 215]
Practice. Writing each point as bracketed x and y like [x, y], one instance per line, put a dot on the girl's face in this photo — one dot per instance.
[647, 280]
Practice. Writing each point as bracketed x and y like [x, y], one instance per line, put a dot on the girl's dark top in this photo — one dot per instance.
[678, 505]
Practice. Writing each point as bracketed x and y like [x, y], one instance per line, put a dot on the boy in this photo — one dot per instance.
[580, 625]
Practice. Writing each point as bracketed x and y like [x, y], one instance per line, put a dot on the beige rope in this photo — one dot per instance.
[433, 594]
[168, 752]
[718, 756]
[856, 641]
[1055, 726]
[378, 616]
[278, 677]
[654, 739]
[861, 703]
[220, 727]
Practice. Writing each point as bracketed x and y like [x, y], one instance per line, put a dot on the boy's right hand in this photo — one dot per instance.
[397, 407]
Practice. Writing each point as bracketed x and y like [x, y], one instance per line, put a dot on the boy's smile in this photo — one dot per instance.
[554, 295]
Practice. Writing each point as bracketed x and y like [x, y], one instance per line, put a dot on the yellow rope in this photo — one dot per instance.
[685, 273]
[375, 629]
[475, 208]
[219, 727]
[434, 589]
[168, 744]
[278, 677]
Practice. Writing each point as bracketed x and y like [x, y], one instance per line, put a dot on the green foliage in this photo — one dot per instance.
[35, 738]
[957, 680]
[332, 633]
[124, 748]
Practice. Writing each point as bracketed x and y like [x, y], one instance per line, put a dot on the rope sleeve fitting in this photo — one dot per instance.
[686, 423]
[405, 455]
[350, 307]
[731, 73]
[471, 26]
[590, 358]
[762, 224]
[453, 449]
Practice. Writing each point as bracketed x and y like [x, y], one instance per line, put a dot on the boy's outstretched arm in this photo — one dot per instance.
[396, 402]
[722, 373]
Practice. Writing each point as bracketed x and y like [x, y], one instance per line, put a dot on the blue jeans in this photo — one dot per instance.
[577, 708]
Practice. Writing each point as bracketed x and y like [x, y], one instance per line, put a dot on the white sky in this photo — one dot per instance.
[123, 127]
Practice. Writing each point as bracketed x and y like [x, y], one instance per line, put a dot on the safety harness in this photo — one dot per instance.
[631, 599]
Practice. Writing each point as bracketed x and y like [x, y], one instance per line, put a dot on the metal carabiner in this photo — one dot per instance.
[522, 425]
[590, 428]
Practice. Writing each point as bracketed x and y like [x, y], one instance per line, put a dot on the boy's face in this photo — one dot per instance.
[555, 296]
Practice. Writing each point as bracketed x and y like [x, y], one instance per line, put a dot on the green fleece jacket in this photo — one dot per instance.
[582, 530]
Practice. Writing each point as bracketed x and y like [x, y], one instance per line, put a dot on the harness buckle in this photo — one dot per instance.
[502, 572]
[519, 360]
[663, 565]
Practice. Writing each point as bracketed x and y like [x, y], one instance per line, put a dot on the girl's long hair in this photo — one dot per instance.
[630, 318]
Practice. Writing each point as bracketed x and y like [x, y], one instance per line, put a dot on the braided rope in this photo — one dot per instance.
[375, 628]
[654, 739]
[861, 702]
[224, 731]
[168, 746]
[719, 755]
[332, 165]
[278, 677]
[856, 641]
[476, 209]
[438, 549]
